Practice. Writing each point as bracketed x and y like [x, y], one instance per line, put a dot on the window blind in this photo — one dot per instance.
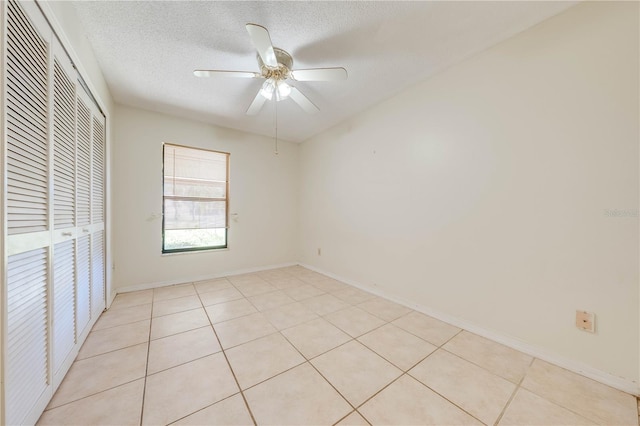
[195, 197]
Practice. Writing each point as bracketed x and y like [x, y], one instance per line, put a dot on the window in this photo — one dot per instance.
[195, 199]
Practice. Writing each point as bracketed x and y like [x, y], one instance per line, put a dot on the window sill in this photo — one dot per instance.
[178, 253]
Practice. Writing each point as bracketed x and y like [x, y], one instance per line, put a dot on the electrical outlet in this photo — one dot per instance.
[319, 251]
[586, 321]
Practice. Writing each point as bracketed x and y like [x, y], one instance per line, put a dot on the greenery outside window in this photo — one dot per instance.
[195, 199]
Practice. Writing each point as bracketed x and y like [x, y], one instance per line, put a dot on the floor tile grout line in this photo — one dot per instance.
[294, 325]
[112, 350]
[518, 384]
[271, 308]
[179, 332]
[404, 372]
[308, 361]
[377, 393]
[571, 410]
[445, 398]
[331, 384]
[389, 361]
[420, 337]
[184, 363]
[222, 301]
[232, 318]
[180, 296]
[203, 408]
[365, 419]
[93, 330]
[269, 321]
[353, 339]
[356, 407]
[483, 367]
[350, 413]
[379, 316]
[513, 394]
[250, 341]
[146, 366]
[93, 394]
[329, 350]
[199, 293]
[344, 417]
[246, 403]
[119, 308]
[441, 347]
[359, 335]
[274, 376]
[174, 299]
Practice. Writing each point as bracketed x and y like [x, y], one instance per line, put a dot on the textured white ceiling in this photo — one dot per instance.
[149, 49]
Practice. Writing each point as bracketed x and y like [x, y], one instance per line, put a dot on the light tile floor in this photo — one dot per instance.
[291, 346]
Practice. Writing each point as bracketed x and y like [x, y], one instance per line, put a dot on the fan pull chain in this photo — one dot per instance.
[276, 104]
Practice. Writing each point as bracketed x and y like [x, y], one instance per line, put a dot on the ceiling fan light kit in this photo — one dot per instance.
[276, 67]
[278, 87]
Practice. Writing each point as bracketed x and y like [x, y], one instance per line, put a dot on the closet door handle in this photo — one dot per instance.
[67, 234]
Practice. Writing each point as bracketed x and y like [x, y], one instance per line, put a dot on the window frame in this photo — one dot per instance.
[226, 206]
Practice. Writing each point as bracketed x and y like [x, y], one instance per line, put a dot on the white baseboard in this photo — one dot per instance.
[625, 385]
[146, 286]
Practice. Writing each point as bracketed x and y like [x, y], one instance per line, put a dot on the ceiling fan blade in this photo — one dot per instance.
[218, 73]
[320, 74]
[303, 101]
[262, 42]
[256, 105]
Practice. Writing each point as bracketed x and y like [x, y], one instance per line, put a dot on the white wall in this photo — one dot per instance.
[263, 192]
[481, 192]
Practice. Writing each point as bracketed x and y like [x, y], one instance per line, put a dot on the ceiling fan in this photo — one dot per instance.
[276, 67]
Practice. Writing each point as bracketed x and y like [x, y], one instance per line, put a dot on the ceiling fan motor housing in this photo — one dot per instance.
[281, 72]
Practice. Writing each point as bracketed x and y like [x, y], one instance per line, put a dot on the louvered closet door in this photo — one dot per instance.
[52, 155]
[83, 204]
[64, 214]
[97, 215]
[27, 245]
